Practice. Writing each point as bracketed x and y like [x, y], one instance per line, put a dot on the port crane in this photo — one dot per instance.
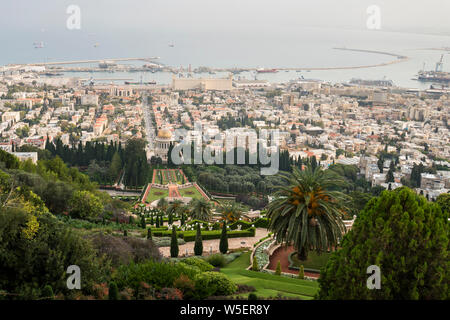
[440, 64]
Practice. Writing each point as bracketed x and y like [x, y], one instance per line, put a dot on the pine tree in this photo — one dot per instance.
[174, 244]
[198, 246]
[403, 222]
[113, 292]
[223, 246]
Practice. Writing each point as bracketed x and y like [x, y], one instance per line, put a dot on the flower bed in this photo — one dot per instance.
[262, 257]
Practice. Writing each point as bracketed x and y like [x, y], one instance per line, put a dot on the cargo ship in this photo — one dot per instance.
[433, 76]
[262, 70]
[438, 75]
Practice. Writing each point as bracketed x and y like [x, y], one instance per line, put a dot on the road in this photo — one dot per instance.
[150, 132]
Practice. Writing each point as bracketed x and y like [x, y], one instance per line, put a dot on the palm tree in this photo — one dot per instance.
[200, 209]
[174, 207]
[162, 204]
[230, 211]
[308, 211]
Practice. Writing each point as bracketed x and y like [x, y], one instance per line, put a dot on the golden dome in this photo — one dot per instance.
[165, 134]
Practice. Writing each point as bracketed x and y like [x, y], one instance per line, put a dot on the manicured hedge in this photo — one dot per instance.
[259, 223]
[206, 235]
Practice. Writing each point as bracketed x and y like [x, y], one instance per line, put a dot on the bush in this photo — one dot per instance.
[213, 284]
[199, 263]
[232, 256]
[217, 260]
[252, 296]
[261, 223]
[124, 250]
[47, 292]
[157, 274]
[113, 292]
[186, 286]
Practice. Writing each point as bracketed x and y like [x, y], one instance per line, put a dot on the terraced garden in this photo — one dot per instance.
[269, 285]
[191, 192]
[156, 193]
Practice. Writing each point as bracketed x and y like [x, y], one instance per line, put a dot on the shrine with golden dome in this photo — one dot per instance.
[162, 143]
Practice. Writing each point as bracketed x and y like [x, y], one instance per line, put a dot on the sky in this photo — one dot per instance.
[225, 16]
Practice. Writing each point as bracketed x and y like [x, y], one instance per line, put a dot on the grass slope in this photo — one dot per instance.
[268, 285]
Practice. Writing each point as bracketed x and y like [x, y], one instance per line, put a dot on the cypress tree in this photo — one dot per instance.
[278, 269]
[143, 223]
[151, 219]
[198, 246]
[223, 246]
[183, 221]
[174, 244]
[301, 272]
[255, 264]
[149, 234]
[170, 218]
[157, 222]
[125, 233]
[113, 292]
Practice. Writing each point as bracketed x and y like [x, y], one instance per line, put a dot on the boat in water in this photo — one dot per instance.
[262, 70]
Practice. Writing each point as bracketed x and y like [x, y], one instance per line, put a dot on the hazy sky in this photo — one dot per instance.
[181, 16]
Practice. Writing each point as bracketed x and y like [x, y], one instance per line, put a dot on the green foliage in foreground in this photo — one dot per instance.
[403, 234]
[27, 266]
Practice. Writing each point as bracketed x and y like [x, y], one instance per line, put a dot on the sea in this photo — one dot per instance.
[303, 47]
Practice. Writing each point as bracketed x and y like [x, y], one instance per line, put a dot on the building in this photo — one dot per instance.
[88, 99]
[11, 116]
[23, 156]
[202, 84]
[162, 144]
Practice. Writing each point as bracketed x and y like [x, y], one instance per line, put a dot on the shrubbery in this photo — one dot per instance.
[217, 260]
[213, 284]
[199, 263]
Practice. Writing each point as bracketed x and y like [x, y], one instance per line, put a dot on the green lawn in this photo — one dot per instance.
[156, 193]
[168, 176]
[268, 285]
[191, 192]
[314, 260]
